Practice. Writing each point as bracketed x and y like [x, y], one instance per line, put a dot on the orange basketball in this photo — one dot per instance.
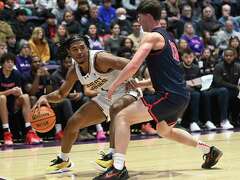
[43, 119]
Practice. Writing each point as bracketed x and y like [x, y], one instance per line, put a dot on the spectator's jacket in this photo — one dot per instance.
[226, 75]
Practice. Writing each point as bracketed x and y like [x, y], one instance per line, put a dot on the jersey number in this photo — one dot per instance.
[174, 51]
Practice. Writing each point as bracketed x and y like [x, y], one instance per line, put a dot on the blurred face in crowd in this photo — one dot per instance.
[107, 4]
[83, 7]
[128, 43]
[163, 23]
[94, 12]
[136, 27]
[25, 51]
[22, 18]
[51, 21]
[8, 65]
[207, 12]
[62, 30]
[116, 29]
[11, 41]
[188, 58]
[234, 42]
[36, 63]
[92, 30]
[189, 29]
[67, 62]
[226, 10]
[40, 34]
[61, 4]
[163, 13]
[3, 49]
[183, 44]
[229, 26]
[206, 54]
[187, 11]
[68, 17]
[79, 51]
[229, 56]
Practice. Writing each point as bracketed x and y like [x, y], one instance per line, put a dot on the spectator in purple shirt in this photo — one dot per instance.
[195, 42]
[23, 60]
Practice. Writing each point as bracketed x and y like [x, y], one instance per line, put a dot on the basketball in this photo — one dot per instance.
[43, 119]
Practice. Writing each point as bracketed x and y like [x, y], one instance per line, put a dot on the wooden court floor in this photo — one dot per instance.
[147, 159]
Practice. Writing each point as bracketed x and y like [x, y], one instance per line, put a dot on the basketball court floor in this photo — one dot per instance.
[148, 158]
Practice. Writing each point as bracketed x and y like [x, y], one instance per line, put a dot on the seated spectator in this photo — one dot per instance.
[6, 29]
[71, 24]
[93, 19]
[222, 37]
[127, 48]
[39, 45]
[207, 62]
[112, 44]
[107, 14]
[227, 74]
[12, 44]
[221, 94]
[226, 15]
[59, 10]
[195, 42]
[24, 59]
[191, 72]
[182, 46]
[50, 27]
[208, 21]
[131, 7]
[95, 41]
[12, 99]
[21, 27]
[82, 15]
[234, 42]
[7, 13]
[123, 22]
[136, 35]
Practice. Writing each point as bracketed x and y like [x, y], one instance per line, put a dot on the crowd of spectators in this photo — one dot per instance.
[207, 34]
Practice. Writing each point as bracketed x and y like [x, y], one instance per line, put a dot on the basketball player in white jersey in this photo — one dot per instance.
[96, 70]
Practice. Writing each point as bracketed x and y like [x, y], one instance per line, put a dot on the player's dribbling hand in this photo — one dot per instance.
[41, 101]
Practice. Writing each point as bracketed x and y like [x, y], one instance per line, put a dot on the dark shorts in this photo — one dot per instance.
[165, 106]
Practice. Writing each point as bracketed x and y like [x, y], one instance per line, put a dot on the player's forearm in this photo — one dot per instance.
[55, 96]
[125, 74]
[146, 83]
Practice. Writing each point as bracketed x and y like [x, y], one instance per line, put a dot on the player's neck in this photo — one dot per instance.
[84, 67]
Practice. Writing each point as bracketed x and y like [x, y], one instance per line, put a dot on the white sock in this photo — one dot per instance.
[203, 147]
[111, 150]
[64, 156]
[58, 127]
[27, 124]
[5, 126]
[99, 127]
[118, 161]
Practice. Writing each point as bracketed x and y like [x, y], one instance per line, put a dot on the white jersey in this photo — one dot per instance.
[101, 82]
[95, 80]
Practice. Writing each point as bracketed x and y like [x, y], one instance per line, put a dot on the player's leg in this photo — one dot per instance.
[135, 113]
[7, 135]
[23, 102]
[106, 160]
[88, 114]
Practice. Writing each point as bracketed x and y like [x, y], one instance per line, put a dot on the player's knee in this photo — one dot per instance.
[3, 99]
[163, 131]
[114, 110]
[73, 125]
